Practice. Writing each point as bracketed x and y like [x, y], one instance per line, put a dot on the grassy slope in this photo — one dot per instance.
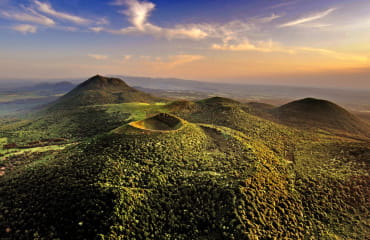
[332, 177]
[101, 90]
[314, 113]
[228, 113]
[160, 122]
[227, 180]
[193, 183]
[78, 123]
[315, 167]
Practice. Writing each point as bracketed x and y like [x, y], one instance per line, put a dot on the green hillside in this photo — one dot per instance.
[192, 183]
[183, 170]
[159, 122]
[232, 114]
[93, 107]
[262, 110]
[310, 113]
[101, 90]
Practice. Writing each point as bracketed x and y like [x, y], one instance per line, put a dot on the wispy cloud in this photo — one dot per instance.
[102, 21]
[246, 45]
[98, 56]
[309, 18]
[183, 59]
[46, 8]
[97, 29]
[43, 13]
[334, 54]
[170, 62]
[316, 25]
[25, 28]
[268, 18]
[271, 46]
[29, 16]
[138, 13]
[284, 4]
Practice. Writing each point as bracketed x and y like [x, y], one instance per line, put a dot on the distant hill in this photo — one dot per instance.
[253, 92]
[101, 90]
[316, 113]
[20, 100]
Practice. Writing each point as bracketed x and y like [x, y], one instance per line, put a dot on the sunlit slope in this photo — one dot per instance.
[232, 176]
[159, 122]
[77, 123]
[229, 113]
[101, 90]
[332, 178]
[71, 124]
[192, 183]
[312, 113]
[91, 108]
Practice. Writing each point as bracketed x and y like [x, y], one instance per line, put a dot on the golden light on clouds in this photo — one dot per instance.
[136, 37]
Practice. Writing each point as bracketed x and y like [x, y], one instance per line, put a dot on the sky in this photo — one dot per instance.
[296, 42]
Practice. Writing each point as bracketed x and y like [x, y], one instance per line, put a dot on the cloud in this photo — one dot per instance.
[284, 4]
[316, 25]
[29, 16]
[271, 46]
[171, 61]
[334, 54]
[97, 29]
[310, 18]
[269, 18]
[138, 13]
[48, 9]
[98, 56]
[186, 31]
[35, 14]
[246, 45]
[25, 28]
[102, 21]
[183, 59]
[179, 32]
